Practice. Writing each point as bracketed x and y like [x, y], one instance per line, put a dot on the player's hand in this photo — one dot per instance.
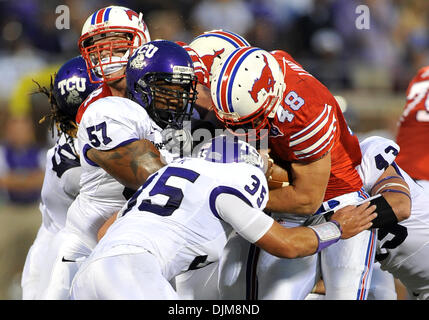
[354, 219]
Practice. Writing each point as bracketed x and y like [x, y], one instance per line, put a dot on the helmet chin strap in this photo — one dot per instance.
[117, 64]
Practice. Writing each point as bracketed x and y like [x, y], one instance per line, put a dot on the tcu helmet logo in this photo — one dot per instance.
[265, 81]
[209, 58]
[146, 51]
[72, 84]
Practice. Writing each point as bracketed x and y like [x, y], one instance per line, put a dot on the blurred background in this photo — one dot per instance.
[366, 69]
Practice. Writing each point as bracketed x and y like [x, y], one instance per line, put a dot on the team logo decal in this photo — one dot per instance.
[130, 13]
[265, 81]
[209, 58]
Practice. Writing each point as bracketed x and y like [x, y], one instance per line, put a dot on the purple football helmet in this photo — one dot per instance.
[72, 86]
[160, 77]
[229, 149]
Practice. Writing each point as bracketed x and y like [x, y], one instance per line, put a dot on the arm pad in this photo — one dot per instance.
[249, 222]
[385, 215]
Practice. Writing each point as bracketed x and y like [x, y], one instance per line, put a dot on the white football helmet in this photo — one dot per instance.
[106, 57]
[214, 45]
[246, 90]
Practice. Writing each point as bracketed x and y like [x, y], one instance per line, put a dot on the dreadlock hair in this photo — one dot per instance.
[58, 118]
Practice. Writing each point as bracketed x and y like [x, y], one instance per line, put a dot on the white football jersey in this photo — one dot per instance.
[174, 216]
[108, 123]
[61, 183]
[402, 250]
[377, 154]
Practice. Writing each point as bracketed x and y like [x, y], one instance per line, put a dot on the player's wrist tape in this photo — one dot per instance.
[385, 215]
[327, 233]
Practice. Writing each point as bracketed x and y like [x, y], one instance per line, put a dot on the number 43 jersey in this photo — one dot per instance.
[174, 215]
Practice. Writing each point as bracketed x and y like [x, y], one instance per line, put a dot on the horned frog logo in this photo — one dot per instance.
[73, 97]
[137, 61]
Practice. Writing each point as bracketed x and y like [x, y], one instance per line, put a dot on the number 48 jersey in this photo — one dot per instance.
[174, 214]
[309, 123]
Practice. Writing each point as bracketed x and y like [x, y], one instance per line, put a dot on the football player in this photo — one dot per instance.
[402, 246]
[118, 142]
[413, 130]
[268, 96]
[69, 89]
[403, 241]
[180, 220]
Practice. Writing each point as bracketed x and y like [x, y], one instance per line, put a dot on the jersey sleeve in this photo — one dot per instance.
[377, 154]
[112, 122]
[313, 140]
[249, 222]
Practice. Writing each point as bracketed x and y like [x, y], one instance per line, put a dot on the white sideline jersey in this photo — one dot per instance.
[108, 123]
[405, 250]
[174, 215]
[60, 187]
[60, 184]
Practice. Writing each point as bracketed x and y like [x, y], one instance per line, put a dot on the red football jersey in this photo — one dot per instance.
[413, 133]
[309, 123]
[102, 91]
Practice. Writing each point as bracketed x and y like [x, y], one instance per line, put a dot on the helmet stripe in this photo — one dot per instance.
[234, 73]
[106, 14]
[241, 42]
[100, 15]
[93, 18]
[224, 37]
[227, 75]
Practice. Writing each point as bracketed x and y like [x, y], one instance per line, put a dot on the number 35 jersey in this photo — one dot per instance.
[174, 214]
[309, 123]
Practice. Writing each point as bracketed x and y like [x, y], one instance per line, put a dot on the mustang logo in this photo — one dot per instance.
[209, 58]
[266, 81]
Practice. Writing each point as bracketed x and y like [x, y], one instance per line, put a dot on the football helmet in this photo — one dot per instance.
[246, 90]
[72, 86]
[212, 46]
[123, 30]
[161, 78]
[229, 149]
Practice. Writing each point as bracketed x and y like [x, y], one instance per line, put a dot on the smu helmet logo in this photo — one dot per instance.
[209, 58]
[266, 81]
[130, 13]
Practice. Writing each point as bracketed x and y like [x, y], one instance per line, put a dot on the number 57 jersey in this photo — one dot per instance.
[107, 123]
[174, 214]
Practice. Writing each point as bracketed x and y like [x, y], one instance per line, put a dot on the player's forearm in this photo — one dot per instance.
[290, 200]
[131, 164]
[289, 242]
